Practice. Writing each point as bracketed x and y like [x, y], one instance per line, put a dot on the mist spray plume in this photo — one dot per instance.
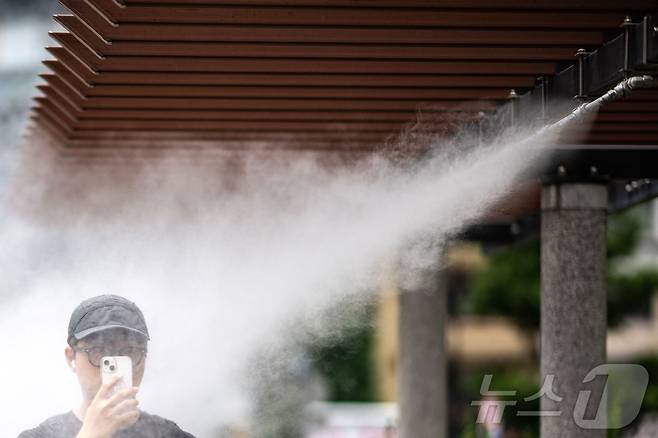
[220, 258]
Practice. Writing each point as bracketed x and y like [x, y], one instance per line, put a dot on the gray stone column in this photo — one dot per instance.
[573, 300]
[422, 386]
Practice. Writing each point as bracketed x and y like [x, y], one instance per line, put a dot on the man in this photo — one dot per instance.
[107, 325]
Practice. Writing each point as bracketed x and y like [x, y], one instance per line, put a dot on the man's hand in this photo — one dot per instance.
[109, 413]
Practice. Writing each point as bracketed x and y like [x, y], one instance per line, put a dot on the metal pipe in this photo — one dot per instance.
[552, 131]
[621, 90]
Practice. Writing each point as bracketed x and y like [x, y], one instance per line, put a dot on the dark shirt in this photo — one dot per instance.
[67, 426]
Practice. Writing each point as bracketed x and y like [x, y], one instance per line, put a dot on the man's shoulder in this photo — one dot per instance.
[167, 427]
[55, 426]
[66, 425]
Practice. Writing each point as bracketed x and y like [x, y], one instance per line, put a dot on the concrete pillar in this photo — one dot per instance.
[573, 300]
[422, 386]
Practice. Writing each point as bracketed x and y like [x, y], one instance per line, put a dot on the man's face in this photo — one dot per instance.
[111, 342]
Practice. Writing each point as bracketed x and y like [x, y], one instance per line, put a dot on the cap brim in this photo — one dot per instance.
[84, 333]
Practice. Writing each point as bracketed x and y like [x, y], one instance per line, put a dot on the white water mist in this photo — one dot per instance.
[219, 271]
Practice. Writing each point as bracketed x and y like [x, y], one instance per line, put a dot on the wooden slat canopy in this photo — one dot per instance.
[313, 74]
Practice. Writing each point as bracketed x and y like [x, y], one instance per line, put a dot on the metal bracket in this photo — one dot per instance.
[649, 29]
[514, 113]
[581, 54]
[543, 90]
[480, 122]
[627, 25]
[576, 174]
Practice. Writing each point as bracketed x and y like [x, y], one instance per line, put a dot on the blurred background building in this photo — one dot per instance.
[24, 27]
[494, 326]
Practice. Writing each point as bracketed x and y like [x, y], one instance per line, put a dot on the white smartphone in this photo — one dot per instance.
[121, 365]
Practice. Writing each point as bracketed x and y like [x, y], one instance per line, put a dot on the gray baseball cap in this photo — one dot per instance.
[105, 312]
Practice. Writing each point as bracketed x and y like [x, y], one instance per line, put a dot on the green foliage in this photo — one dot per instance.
[630, 294]
[623, 233]
[510, 283]
[521, 380]
[280, 387]
[346, 365]
[650, 401]
[510, 286]
[525, 382]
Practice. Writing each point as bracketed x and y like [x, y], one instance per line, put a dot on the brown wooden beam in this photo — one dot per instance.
[233, 115]
[291, 79]
[316, 66]
[241, 125]
[340, 51]
[612, 5]
[378, 93]
[283, 104]
[339, 16]
[347, 35]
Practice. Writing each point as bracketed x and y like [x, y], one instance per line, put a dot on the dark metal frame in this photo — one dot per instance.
[631, 170]
[634, 50]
